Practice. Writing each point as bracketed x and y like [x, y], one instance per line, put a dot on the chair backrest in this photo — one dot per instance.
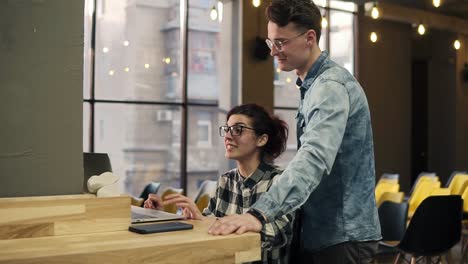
[151, 187]
[390, 177]
[457, 184]
[452, 175]
[440, 191]
[392, 218]
[171, 208]
[396, 197]
[465, 200]
[383, 187]
[94, 164]
[423, 176]
[206, 187]
[435, 226]
[203, 201]
[424, 190]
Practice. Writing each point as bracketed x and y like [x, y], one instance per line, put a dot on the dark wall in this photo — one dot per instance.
[384, 70]
[436, 49]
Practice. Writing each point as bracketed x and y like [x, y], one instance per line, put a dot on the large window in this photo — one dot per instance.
[338, 38]
[138, 108]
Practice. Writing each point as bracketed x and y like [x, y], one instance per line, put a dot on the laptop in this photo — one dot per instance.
[143, 215]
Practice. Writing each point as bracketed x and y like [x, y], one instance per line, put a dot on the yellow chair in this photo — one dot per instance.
[440, 191]
[457, 184]
[170, 208]
[389, 177]
[383, 187]
[205, 192]
[464, 244]
[421, 192]
[136, 201]
[396, 197]
[423, 176]
[203, 201]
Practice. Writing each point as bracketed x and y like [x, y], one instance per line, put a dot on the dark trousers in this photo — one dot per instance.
[343, 253]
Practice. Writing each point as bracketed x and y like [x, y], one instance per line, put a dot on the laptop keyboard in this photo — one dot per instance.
[142, 216]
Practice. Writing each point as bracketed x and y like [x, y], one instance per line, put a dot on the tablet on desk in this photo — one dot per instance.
[158, 228]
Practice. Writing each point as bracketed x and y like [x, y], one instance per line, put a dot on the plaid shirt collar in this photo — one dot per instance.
[256, 176]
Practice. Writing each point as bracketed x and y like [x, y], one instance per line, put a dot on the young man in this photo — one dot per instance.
[332, 175]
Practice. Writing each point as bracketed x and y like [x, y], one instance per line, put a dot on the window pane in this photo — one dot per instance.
[290, 117]
[88, 16]
[286, 92]
[137, 50]
[323, 35]
[342, 39]
[86, 126]
[143, 143]
[203, 51]
[343, 5]
[205, 150]
[320, 3]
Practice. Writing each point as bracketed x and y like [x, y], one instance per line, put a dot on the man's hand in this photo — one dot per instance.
[153, 202]
[238, 224]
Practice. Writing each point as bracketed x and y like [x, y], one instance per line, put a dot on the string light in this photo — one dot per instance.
[436, 3]
[127, 69]
[457, 44]
[421, 29]
[256, 3]
[147, 65]
[126, 43]
[375, 11]
[111, 72]
[324, 22]
[213, 13]
[105, 49]
[373, 37]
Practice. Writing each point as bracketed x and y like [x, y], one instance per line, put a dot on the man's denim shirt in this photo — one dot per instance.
[332, 175]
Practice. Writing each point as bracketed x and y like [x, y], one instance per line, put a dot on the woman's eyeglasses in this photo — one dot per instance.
[235, 130]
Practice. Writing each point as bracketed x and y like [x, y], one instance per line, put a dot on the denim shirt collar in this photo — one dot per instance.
[312, 73]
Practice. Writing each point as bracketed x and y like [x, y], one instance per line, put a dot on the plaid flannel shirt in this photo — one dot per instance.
[235, 195]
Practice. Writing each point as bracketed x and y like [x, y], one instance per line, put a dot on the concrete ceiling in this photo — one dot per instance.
[458, 8]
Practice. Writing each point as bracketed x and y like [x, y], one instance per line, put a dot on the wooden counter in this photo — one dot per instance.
[188, 246]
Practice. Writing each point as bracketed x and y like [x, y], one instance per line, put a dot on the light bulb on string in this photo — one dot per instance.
[324, 22]
[457, 44]
[256, 3]
[373, 37]
[436, 3]
[375, 12]
[421, 29]
[213, 13]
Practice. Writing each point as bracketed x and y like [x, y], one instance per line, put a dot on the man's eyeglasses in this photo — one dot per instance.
[236, 130]
[279, 43]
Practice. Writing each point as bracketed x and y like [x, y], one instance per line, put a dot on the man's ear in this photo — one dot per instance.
[311, 37]
[262, 140]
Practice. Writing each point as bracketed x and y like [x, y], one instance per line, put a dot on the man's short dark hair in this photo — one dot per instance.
[303, 13]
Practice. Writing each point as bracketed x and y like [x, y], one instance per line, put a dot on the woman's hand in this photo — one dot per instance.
[190, 209]
[153, 202]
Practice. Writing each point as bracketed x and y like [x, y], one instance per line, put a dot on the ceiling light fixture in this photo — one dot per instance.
[375, 11]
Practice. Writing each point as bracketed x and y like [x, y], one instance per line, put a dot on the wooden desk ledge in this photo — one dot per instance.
[188, 246]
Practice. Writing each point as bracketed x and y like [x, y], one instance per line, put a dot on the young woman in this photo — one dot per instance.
[253, 138]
